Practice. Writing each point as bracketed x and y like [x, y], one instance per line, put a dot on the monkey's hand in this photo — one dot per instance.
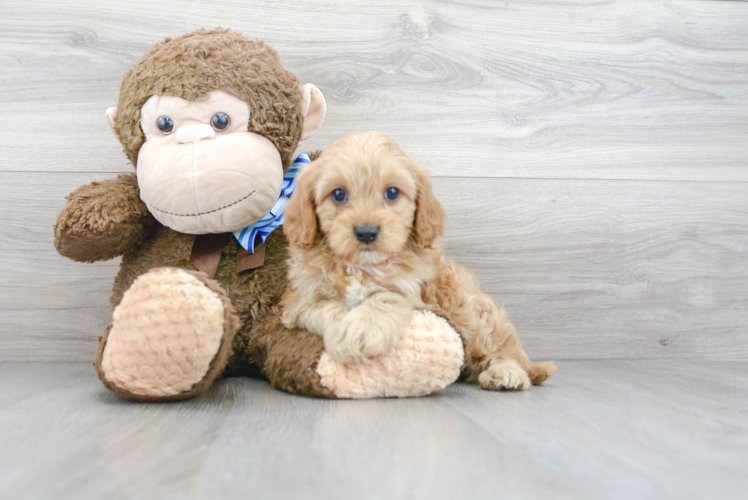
[102, 220]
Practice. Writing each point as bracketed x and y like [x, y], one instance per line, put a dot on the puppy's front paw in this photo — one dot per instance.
[289, 319]
[504, 375]
[369, 330]
[353, 340]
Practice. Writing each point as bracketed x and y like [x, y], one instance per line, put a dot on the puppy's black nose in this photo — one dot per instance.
[366, 234]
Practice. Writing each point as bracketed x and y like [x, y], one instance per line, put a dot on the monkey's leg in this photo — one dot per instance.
[427, 359]
[170, 337]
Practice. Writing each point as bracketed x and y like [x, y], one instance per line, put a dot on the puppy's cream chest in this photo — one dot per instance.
[356, 292]
[359, 286]
[363, 281]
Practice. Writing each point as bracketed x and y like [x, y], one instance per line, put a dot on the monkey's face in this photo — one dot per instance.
[200, 170]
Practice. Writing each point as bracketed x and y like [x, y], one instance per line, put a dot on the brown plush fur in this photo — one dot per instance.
[102, 220]
[360, 296]
[107, 219]
[288, 358]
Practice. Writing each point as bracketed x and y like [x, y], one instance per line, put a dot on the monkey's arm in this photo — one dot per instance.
[427, 360]
[102, 220]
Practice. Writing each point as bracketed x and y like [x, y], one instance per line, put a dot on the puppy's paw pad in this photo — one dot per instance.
[504, 375]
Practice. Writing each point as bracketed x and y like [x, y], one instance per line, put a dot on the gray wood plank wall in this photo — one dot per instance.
[592, 156]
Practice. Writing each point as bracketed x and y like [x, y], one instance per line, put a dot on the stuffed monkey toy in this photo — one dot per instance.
[210, 121]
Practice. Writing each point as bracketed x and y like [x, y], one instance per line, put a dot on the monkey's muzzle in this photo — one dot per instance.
[214, 182]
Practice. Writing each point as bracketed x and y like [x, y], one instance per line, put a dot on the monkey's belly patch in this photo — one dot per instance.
[427, 359]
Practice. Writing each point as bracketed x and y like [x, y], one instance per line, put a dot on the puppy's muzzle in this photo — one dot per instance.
[366, 234]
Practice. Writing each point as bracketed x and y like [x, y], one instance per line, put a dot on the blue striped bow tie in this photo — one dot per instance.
[274, 218]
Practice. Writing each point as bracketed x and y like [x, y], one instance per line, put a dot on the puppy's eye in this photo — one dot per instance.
[391, 194]
[165, 124]
[220, 121]
[339, 196]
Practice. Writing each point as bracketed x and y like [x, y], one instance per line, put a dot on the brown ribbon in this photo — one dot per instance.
[206, 252]
[246, 260]
[207, 249]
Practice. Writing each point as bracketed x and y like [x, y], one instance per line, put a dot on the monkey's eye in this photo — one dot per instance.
[220, 121]
[165, 124]
[391, 193]
[339, 196]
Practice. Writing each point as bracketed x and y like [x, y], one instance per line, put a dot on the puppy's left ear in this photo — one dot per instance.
[430, 217]
[300, 220]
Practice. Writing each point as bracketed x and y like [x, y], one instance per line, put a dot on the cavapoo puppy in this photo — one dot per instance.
[363, 229]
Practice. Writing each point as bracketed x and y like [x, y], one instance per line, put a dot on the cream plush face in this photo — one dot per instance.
[201, 173]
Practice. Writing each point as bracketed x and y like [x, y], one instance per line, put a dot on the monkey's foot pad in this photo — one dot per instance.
[427, 359]
[170, 337]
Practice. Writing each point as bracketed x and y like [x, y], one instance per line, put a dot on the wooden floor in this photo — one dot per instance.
[599, 429]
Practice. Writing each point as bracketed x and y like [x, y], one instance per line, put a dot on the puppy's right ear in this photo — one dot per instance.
[300, 221]
[430, 217]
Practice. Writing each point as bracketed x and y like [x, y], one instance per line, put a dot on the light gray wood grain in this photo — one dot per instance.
[598, 429]
[607, 90]
[529, 114]
[586, 269]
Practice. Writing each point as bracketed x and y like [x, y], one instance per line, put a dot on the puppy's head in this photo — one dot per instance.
[367, 199]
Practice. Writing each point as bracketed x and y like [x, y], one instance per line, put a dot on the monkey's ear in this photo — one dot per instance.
[111, 120]
[313, 109]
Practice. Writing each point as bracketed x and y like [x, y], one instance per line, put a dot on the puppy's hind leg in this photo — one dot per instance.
[494, 356]
[504, 374]
[511, 350]
[540, 372]
[498, 360]
[507, 374]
